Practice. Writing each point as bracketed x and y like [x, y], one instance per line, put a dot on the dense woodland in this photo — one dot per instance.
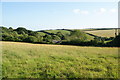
[75, 37]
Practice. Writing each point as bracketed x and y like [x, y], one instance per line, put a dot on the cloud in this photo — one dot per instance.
[113, 10]
[78, 11]
[98, 11]
[102, 10]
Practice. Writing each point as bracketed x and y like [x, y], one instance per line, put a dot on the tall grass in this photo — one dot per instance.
[25, 60]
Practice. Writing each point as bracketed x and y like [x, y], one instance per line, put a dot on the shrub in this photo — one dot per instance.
[31, 39]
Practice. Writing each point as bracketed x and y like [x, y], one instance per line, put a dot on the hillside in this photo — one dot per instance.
[22, 34]
[102, 33]
[63, 31]
[27, 60]
[87, 37]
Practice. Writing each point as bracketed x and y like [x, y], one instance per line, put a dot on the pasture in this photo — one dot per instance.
[27, 60]
[103, 33]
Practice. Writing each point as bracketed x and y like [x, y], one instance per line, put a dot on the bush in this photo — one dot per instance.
[31, 39]
[47, 38]
[78, 35]
[115, 42]
[21, 30]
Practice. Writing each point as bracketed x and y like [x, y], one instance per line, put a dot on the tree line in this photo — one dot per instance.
[76, 37]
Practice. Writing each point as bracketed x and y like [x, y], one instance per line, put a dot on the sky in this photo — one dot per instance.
[60, 15]
[59, 0]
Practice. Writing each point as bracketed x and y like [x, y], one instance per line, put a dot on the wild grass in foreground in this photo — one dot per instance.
[25, 60]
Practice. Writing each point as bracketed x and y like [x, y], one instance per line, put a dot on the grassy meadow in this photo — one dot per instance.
[27, 60]
[103, 33]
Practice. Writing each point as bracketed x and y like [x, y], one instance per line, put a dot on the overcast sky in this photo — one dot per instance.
[59, 15]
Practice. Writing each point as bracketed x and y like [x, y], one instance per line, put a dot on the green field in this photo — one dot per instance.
[103, 33]
[26, 60]
[55, 31]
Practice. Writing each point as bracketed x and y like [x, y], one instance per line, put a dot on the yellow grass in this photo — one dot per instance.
[103, 33]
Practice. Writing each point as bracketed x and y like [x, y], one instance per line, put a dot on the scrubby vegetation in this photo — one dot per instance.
[23, 35]
[63, 36]
[115, 41]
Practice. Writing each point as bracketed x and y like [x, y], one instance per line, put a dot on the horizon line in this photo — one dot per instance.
[60, 28]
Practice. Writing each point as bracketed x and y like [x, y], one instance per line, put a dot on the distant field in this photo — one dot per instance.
[26, 60]
[55, 31]
[103, 33]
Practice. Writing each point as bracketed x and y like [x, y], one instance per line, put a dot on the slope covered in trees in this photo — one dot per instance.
[63, 36]
[22, 34]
